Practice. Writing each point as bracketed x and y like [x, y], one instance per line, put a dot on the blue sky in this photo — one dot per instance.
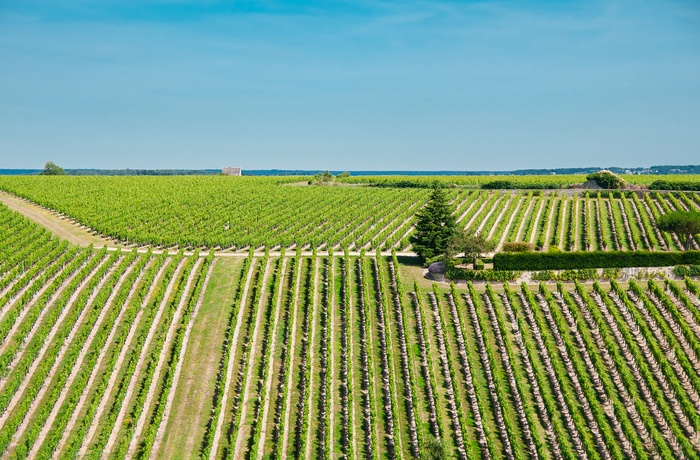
[400, 85]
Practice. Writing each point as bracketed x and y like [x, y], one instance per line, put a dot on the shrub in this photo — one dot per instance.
[612, 273]
[593, 259]
[498, 184]
[607, 179]
[687, 270]
[518, 246]
[479, 265]
[545, 275]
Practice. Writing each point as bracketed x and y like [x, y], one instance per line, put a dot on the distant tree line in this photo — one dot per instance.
[143, 172]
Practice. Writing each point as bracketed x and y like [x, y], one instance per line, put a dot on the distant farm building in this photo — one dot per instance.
[231, 171]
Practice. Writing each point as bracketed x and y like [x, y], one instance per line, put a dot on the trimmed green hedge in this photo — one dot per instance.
[597, 259]
[674, 185]
[464, 274]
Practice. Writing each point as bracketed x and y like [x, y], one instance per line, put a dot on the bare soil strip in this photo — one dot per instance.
[249, 397]
[290, 374]
[351, 320]
[271, 362]
[393, 353]
[311, 359]
[141, 362]
[114, 372]
[376, 373]
[331, 349]
[81, 357]
[178, 367]
[229, 368]
[164, 352]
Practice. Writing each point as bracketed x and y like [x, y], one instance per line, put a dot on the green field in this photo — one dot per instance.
[144, 353]
[262, 212]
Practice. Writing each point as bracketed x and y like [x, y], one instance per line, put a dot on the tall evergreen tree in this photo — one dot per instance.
[435, 227]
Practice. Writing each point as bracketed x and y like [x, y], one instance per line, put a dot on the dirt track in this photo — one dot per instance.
[55, 224]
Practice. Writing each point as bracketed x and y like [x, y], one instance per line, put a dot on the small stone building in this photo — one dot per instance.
[228, 171]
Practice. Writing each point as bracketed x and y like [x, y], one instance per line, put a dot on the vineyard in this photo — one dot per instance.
[119, 354]
[275, 213]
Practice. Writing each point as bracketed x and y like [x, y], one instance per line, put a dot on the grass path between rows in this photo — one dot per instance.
[142, 360]
[229, 368]
[178, 367]
[312, 339]
[165, 350]
[248, 397]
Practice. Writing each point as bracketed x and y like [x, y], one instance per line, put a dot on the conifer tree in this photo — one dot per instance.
[435, 227]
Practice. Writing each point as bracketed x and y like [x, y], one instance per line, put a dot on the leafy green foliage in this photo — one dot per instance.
[52, 169]
[499, 184]
[684, 224]
[322, 178]
[566, 275]
[607, 179]
[687, 270]
[674, 185]
[433, 450]
[470, 245]
[517, 246]
[465, 274]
